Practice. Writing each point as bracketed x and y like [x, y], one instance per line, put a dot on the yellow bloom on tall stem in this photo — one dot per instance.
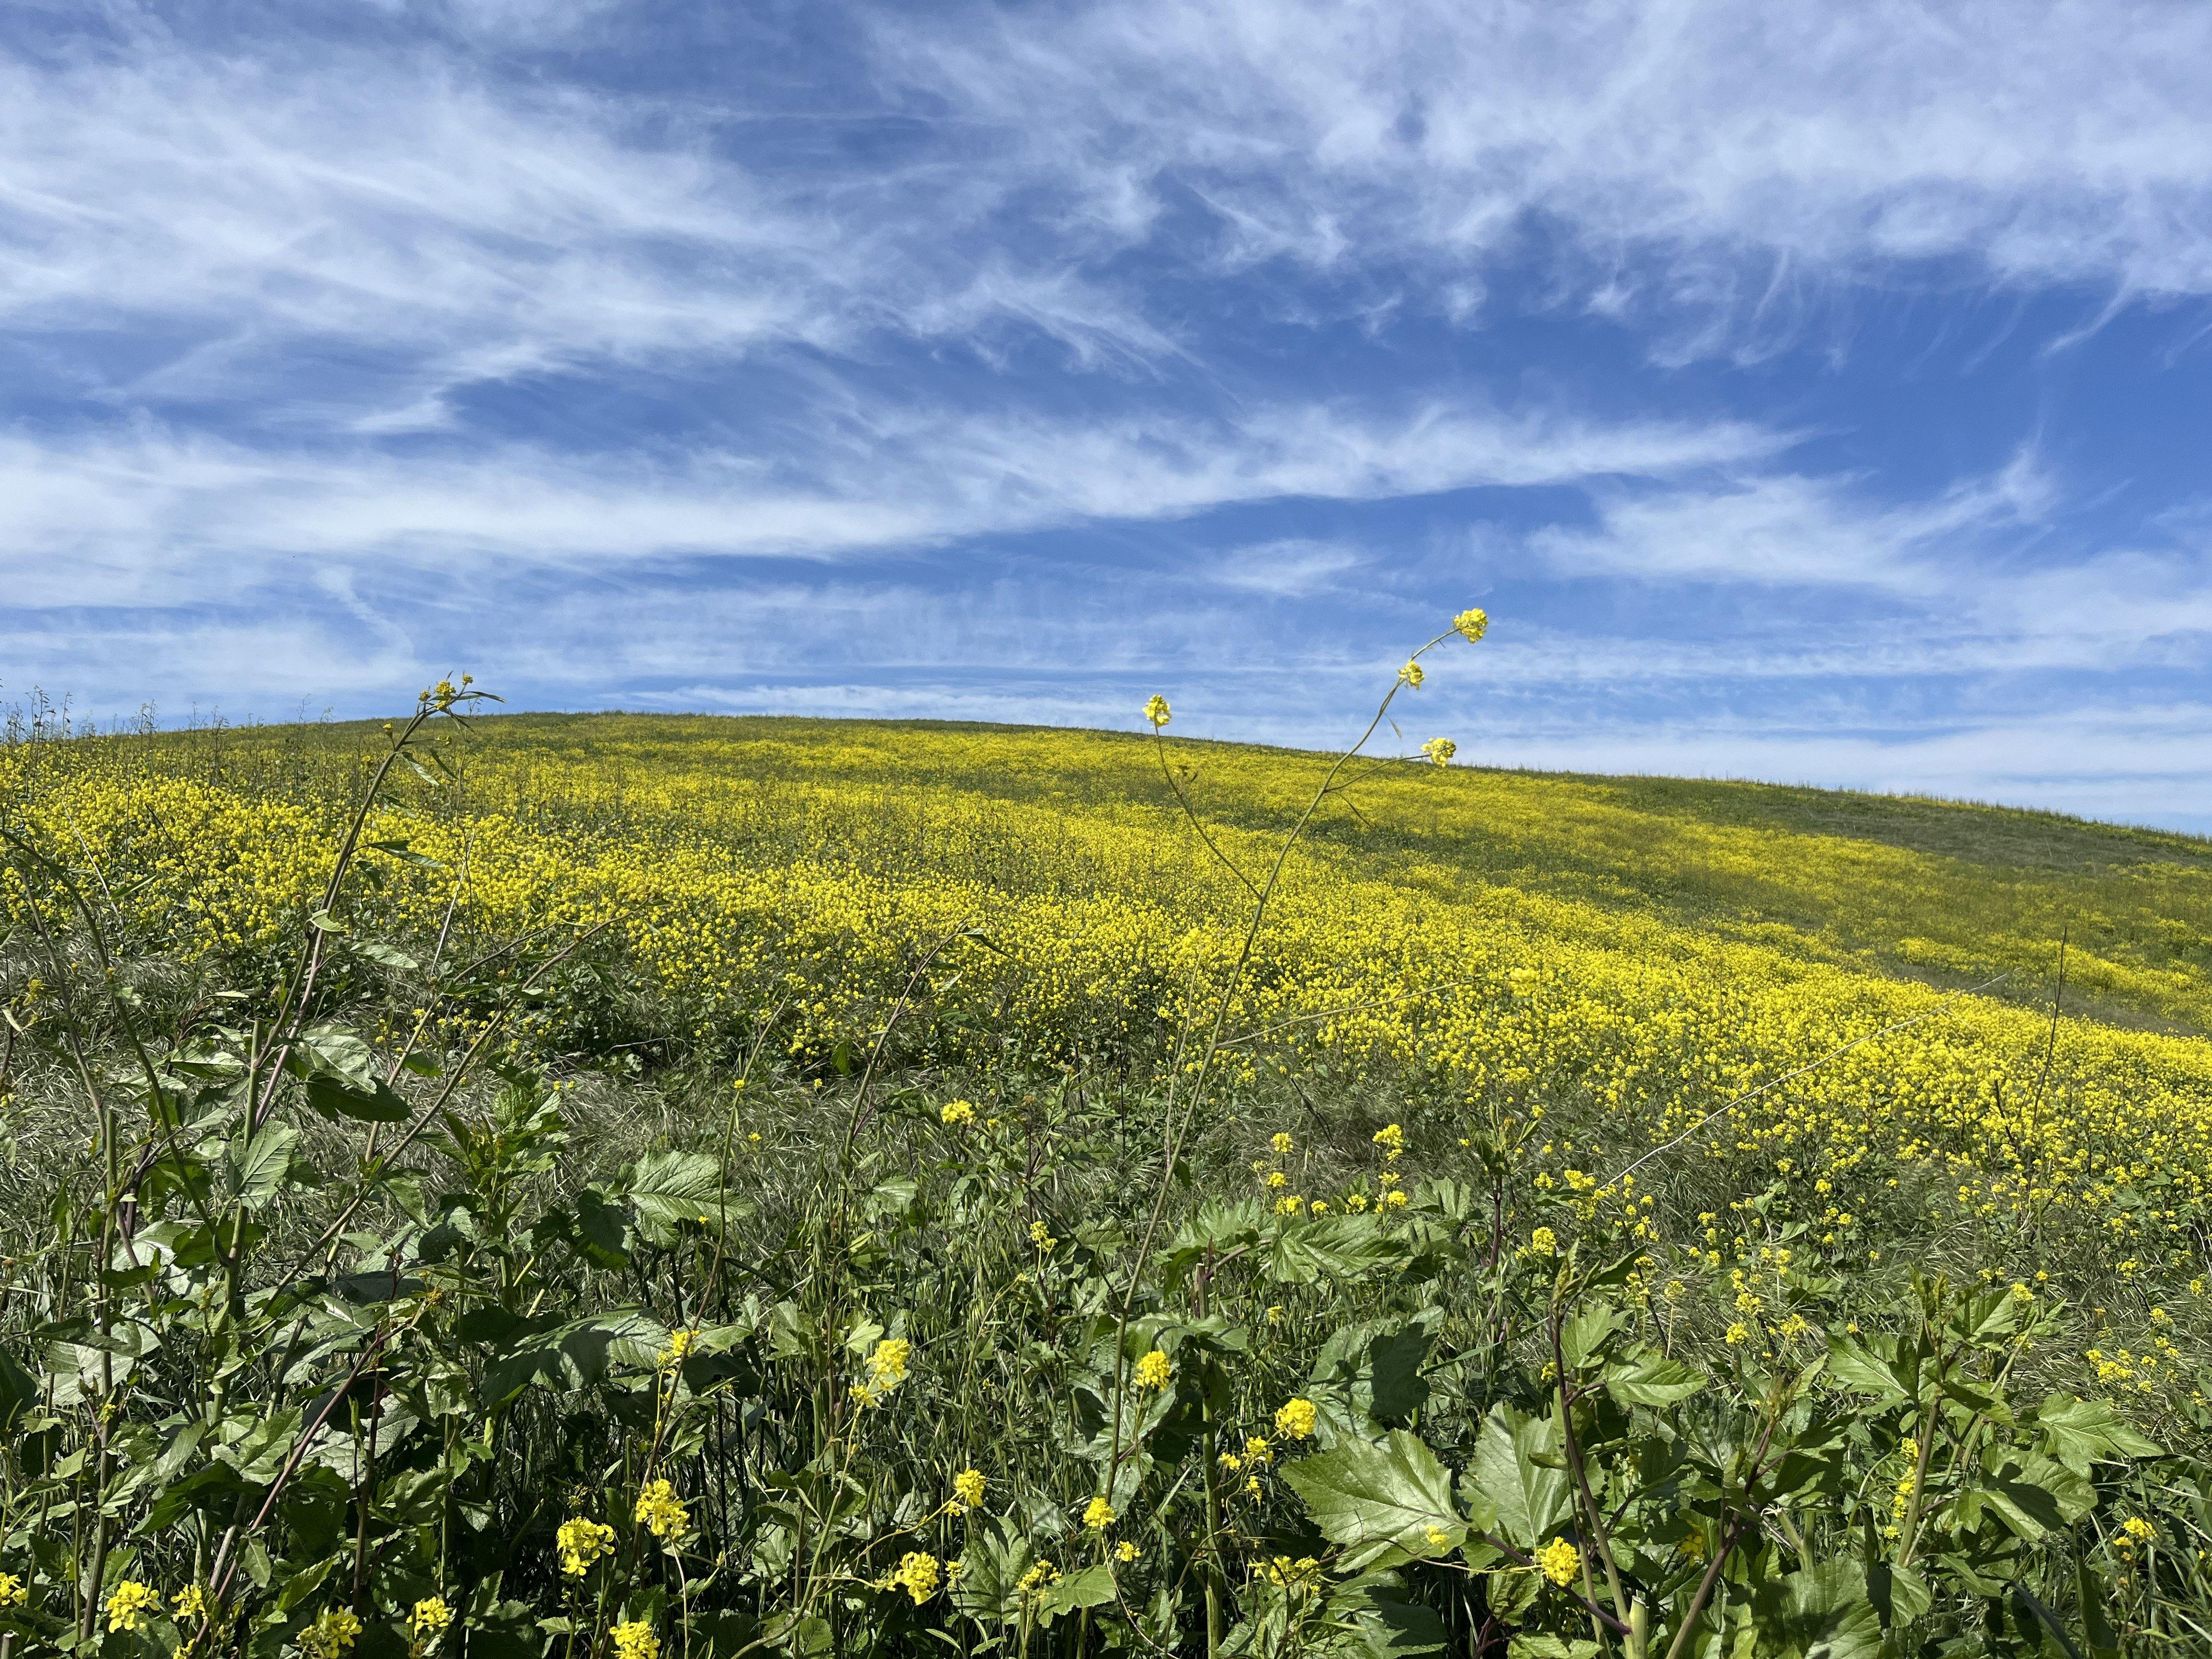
[916, 1573]
[1561, 1561]
[581, 1542]
[129, 1602]
[661, 1512]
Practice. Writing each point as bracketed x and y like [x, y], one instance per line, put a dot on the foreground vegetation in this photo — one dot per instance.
[618, 1188]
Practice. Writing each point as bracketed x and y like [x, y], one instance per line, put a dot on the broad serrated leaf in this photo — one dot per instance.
[1822, 1613]
[1093, 1587]
[1529, 1498]
[1649, 1379]
[2081, 1433]
[1859, 1368]
[1375, 1498]
[668, 1189]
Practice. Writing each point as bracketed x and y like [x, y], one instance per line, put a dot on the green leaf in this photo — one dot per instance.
[1586, 1333]
[1551, 1647]
[1091, 1588]
[1529, 1500]
[261, 1168]
[990, 1590]
[2096, 1624]
[401, 851]
[1821, 1612]
[1900, 1594]
[258, 1455]
[1860, 1369]
[575, 1353]
[1388, 1622]
[2080, 1432]
[2030, 1607]
[303, 1583]
[669, 1190]
[1374, 1500]
[81, 1359]
[335, 1096]
[1341, 1246]
[19, 1390]
[1647, 1378]
[2035, 1496]
[1395, 1360]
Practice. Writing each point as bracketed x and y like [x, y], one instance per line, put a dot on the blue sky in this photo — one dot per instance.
[1810, 393]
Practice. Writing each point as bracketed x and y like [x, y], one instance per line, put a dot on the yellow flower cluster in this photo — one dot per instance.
[662, 1513]
[1561, 1561]
[1294, 1418]
[1289, 1574]
[917, 1574]
[887, 1368]
[581, 1542]
[129, 1602]
[1154, 1370]
[334, 1632]
[633, 1639]
[430, 1618]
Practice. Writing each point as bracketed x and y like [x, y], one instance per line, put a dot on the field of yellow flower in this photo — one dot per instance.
[619, 1185]
[1651, 951]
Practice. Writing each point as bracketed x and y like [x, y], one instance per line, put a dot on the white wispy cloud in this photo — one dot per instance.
[1716, 157]
[1785, 529]
[104, 518]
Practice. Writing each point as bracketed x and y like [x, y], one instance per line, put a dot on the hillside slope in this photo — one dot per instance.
[1947, 893]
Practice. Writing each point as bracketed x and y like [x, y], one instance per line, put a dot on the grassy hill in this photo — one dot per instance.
[772, 1186]
[1947, 893]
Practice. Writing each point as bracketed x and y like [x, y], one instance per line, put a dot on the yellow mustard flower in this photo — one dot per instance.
[917, 1575]
[1561, 1561]
[661, 1512]
[581, 1542]
[334, 1631]
[129, 1603]
[430, 1617]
